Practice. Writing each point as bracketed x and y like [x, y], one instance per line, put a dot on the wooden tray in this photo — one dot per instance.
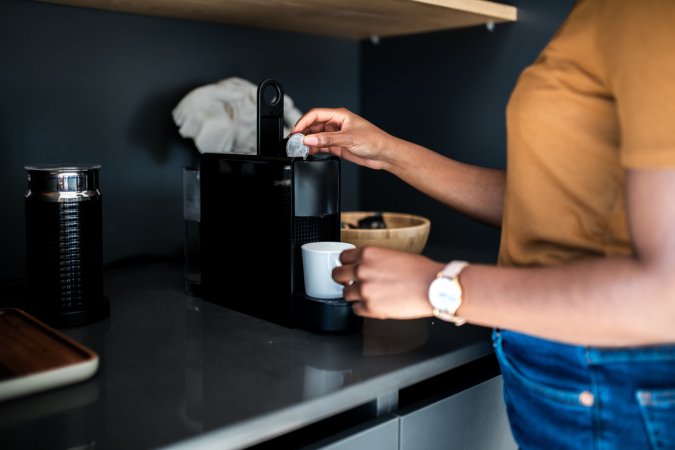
[35, 357]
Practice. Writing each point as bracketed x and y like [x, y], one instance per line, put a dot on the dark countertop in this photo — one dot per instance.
[177, 370]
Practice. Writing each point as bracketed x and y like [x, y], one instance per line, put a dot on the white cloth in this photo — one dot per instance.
[221, 117]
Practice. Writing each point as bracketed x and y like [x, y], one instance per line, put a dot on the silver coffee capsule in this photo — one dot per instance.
[295, 148]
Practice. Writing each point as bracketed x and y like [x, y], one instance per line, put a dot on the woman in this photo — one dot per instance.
[585, 283]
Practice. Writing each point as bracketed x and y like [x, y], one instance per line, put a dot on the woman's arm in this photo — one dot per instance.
[474, 191]
[613, 301]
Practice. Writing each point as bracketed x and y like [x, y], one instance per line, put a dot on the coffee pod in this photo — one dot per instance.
[295, 147]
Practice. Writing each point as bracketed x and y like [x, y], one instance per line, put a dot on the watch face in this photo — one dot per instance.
[445, 294]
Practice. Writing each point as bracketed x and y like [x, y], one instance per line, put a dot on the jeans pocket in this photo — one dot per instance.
[581, 398]
[657, 407]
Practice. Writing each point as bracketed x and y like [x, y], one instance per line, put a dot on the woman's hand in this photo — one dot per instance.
[347, 135]
[387, 284]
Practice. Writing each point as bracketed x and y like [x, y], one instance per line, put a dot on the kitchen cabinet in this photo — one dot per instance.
[472, 419]
[469, 419]
[355, 19]
[375, 435]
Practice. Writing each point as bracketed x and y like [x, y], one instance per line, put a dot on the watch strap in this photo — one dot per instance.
[451, 271]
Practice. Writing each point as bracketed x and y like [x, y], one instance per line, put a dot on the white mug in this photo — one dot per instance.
[318, 261]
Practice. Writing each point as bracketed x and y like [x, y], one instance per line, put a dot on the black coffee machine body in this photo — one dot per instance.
[256, 212]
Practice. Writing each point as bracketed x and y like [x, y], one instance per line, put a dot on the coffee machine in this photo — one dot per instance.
[256, 213]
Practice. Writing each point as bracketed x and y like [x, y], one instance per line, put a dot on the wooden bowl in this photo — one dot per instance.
[405, 232]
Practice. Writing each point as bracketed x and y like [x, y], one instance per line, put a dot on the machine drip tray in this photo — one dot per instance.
[332, 315]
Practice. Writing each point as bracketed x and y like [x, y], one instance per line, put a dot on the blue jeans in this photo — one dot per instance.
[562, 396]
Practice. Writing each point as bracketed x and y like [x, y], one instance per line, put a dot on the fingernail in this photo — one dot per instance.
[311, 140]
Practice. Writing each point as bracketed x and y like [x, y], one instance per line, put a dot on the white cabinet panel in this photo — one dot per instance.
[380, 435]
[474, 419]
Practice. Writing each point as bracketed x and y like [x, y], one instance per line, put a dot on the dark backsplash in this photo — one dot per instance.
[81, 85]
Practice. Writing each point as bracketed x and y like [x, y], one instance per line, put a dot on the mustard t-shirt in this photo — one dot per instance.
[599, 99]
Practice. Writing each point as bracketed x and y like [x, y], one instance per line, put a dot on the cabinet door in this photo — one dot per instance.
[377, 435]
[471, 419]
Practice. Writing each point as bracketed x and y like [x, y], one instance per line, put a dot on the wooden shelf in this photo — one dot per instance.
[354, 19]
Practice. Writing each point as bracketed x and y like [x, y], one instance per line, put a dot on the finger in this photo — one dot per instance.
[337, 151]
[352, 293]
[331, 126]
[319, 115]
[329, 139]
[315, 128]
[344, 275]
[351, 256]
[361, 309]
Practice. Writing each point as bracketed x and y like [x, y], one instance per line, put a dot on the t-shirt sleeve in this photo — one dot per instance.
[637, 43]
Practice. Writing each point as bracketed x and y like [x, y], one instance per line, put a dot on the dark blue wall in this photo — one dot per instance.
[79, 85]
[448, 91]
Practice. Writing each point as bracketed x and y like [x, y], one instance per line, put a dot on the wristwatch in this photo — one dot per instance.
[445, 293]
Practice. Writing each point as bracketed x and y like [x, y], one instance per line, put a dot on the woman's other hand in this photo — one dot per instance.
[347, 135]
[387, 284]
